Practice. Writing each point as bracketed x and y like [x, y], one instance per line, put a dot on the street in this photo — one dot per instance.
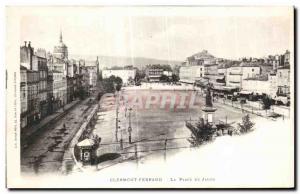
[44, 154]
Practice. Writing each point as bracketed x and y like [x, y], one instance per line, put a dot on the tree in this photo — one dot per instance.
[175, 78]
[247, 125]
[100, 76]
[164, 78]
[267, 102]
[118, 83]
[201, 133]
[112, 84]
[165, 67]
[131, 80]
[82, 93]
[140, 74]
[108, 86]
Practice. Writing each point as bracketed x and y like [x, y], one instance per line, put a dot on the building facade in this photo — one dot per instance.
[154, 74]
[29, 62]
[125, 74]
[50, 96]
[92, 71]
[200, 73]
[257, 86]
[23, 96]
[283, 81]
[39, 64]
[287, 58]
[59, 89]
[190, 74]
[236, 74]
[85, 81]
[71, 80]
[26, 54]
[33, 115]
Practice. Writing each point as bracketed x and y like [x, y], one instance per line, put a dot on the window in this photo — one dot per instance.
[252, 70]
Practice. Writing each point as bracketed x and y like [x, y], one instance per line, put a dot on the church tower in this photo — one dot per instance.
[61, 50]
[97, 66]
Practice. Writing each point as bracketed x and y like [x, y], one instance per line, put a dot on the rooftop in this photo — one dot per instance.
[251, 64]
[203, 54]
[260, 78]
[55, 71]
[22, 67]
[86, 143]
[284, 67]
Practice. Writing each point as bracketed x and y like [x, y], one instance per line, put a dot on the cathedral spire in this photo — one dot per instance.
[60, 37]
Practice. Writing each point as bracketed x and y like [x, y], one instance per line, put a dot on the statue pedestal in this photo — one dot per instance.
[209, 114]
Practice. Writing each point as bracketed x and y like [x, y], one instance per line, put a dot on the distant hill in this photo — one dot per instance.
[110, 61]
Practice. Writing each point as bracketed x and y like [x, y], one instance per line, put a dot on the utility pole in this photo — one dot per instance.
[129, 127]
[136, 155]
[117, 120]
[117, 124]
[165, 154]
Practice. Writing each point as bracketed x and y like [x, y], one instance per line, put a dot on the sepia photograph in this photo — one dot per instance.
[150, 97]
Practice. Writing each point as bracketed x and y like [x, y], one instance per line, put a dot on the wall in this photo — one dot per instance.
[256, 86]
[124, 74]
[234, 76]
[189, 74]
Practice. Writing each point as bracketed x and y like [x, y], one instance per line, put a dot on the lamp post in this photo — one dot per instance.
[117, 124]
[117, 114]
[129, 127]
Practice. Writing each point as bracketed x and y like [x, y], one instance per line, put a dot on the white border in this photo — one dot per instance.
[115, 3]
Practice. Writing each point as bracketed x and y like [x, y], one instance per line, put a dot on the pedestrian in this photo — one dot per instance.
[36, 164]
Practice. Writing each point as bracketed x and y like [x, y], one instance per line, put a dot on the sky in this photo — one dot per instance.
[171, 33]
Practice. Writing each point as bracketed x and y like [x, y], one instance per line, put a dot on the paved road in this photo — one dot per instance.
[44, 155]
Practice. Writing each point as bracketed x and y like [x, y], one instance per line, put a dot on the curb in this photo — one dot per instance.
[69, 156]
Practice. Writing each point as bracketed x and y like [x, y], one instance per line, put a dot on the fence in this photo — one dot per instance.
[256, 108]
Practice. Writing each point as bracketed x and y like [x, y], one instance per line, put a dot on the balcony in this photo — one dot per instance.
[234, 82]
[240, 74]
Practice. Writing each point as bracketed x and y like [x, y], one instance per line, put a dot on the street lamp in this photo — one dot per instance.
[129, 127]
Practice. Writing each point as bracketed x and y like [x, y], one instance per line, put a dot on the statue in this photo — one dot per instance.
[208, 100]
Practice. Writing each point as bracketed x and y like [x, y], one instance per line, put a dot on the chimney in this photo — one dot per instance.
[29, 44]
[25, 43]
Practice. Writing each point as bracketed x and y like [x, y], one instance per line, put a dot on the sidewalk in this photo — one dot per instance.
[35, 129]
[248, 108]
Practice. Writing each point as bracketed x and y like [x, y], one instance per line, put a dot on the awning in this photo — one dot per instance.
[245, 92]
[86, 143]
[224, 88]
